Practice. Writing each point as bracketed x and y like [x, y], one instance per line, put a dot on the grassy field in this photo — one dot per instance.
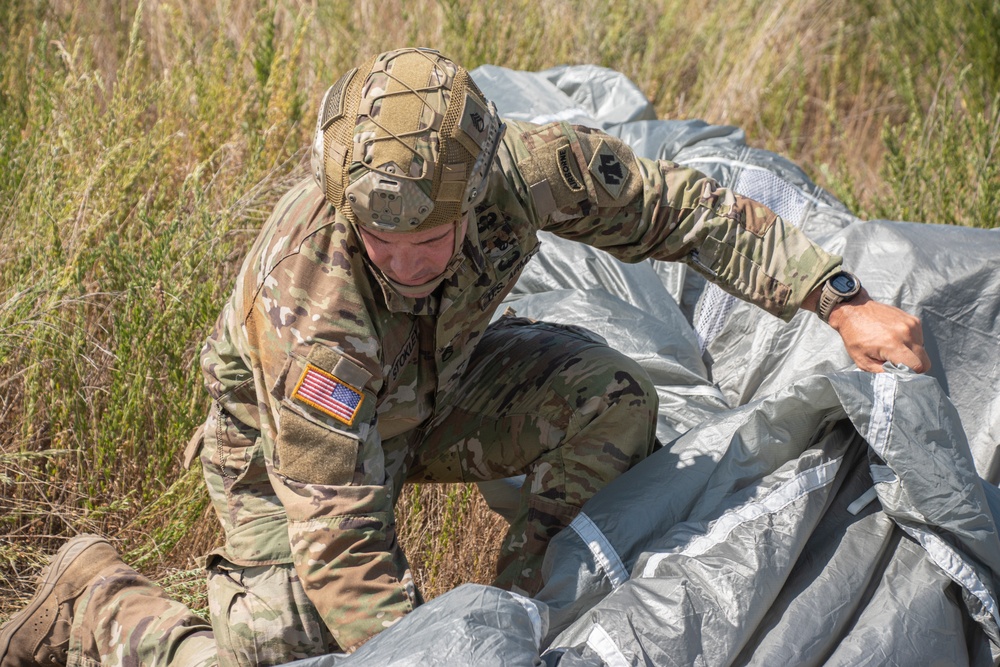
[142, 145]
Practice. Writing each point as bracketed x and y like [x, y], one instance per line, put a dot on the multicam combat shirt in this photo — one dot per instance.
[317, 363]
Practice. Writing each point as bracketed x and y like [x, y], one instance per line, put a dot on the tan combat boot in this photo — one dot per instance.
[39, 633]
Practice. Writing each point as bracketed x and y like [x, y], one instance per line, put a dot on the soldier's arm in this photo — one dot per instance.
[874, 333]
[328, 472]
[322, 374]
[588, 186]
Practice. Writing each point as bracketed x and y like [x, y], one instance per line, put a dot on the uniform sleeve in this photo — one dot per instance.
[588, 186]
[320, 374]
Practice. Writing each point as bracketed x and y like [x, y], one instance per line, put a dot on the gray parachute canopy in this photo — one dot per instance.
[803, 512]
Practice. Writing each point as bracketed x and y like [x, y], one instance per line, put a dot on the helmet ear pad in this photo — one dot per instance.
[405, 142]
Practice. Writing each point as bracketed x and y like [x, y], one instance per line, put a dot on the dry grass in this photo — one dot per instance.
[450, 536]
[142, 144]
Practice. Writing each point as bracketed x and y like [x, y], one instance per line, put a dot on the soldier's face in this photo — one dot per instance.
[413, 258]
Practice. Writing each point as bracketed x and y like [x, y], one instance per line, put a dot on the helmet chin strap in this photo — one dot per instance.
[415, 291]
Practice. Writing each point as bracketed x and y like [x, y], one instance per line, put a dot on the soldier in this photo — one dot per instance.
[357, 353]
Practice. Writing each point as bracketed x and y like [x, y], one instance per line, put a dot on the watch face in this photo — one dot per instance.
[843, 283]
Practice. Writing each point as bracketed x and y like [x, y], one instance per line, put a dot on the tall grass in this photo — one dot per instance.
[142, 144]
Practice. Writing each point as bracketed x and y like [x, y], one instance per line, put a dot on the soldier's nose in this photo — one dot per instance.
[407, 264]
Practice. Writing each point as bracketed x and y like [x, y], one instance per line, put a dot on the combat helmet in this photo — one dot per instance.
[405, 142]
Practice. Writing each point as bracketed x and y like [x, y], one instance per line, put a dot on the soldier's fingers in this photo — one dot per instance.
[917, 333]
[867, 359]
[923, 360]
[912, 356]
[870, 363]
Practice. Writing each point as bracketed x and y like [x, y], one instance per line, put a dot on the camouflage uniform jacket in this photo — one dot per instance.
[306, 308]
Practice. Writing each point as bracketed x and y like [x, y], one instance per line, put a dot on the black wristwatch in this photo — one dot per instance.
[837, 289]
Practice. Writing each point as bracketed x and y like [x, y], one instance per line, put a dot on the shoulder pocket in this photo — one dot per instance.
[330, 388]
[552, 168]
[313, 454]
[323, 419]
[573, 167]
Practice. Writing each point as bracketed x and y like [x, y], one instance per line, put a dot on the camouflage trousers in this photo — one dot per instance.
[125, 619]
[260, 616]
[552, 402]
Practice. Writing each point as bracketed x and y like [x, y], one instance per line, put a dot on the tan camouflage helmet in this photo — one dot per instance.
[405, 142]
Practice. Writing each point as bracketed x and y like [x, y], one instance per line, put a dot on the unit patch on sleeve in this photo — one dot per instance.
[328, 394]
[608, 169]
[567, 168]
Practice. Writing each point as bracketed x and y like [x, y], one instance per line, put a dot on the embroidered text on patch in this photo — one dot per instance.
[569, 178]
[328, 394]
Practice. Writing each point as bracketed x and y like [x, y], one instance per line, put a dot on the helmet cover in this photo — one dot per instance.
[405, 142]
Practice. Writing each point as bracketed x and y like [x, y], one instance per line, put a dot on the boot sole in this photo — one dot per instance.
[60, 562]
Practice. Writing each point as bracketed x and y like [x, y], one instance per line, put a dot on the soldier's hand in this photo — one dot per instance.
[875, 333]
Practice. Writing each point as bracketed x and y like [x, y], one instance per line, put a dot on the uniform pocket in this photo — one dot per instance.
[262, 616]
[230, 435]
[227, 605]
[311, 453]
[229, 447]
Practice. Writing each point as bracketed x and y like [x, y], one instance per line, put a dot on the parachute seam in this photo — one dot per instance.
[956, 567]
[880, 425]
[604, 554]
[787, 493]
[600, 642]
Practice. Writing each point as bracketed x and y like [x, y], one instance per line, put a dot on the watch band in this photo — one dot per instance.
[827, 300]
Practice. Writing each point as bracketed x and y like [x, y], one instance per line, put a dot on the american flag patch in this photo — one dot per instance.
[328, 394]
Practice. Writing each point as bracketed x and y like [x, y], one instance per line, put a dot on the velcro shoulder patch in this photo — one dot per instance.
[608, 169]
[554, 168]
[612, 167]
